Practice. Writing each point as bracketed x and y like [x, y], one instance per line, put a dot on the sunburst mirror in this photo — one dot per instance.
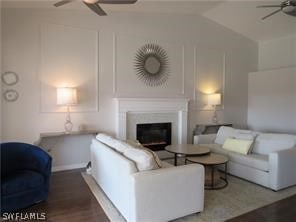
[152, 65]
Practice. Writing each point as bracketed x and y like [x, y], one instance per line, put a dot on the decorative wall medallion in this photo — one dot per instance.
[152, 65]
[10, 95]
[9, 78]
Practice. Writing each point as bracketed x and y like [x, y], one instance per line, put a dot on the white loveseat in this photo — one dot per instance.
[271, 163]
[156, 195]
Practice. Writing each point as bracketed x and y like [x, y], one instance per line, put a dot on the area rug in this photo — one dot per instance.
[237, 198]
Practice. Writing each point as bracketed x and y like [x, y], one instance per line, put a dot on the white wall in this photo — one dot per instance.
[121, 34]
[272, 100]
[272, 94]
[68, 151]
[277, 53]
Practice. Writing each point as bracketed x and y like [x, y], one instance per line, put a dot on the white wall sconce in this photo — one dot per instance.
[67, 96]
[214, 100]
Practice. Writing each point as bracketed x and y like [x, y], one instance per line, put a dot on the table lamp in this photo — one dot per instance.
[67, 96]
[214, 100]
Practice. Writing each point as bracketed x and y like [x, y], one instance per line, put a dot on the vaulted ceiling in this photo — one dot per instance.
[241, 16]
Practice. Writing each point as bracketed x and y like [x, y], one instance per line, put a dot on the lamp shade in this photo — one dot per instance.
[91, 1]
[66, 96]
[214, 99]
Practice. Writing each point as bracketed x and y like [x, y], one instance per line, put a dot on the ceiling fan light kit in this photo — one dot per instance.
[288, 7]
[94, 4]
[91, 1]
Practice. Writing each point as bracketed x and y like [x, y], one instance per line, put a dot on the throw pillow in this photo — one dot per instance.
[134, 143]
[238, 145]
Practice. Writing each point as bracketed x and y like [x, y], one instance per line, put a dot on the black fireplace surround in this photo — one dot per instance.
[155, 136]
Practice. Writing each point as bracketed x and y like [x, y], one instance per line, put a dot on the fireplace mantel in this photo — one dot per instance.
[151, 105]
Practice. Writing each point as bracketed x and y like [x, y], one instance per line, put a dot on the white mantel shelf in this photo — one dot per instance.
[151, 105]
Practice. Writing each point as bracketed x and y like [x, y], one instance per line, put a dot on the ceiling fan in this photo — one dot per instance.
[288, 7]
[94, 4]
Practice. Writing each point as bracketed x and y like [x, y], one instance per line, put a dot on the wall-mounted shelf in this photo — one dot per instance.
[209, 128]
[83, 132]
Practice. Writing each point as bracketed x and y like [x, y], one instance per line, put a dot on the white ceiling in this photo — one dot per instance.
[238, 15]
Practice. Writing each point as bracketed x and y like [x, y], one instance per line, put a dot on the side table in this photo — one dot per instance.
[212, 160]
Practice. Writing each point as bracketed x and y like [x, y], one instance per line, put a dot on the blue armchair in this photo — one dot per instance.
[25, 175]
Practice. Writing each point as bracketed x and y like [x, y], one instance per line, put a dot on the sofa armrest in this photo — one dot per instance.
[282, 168]
[204, 138]
[167, 193]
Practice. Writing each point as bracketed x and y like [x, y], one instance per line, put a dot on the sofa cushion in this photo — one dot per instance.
[216, 148]
[166, 164]
[21, 181]
[238, 145]
[143, 158]
[267, 143]
[118, 145]
[137, 144]
[256, 161]
[245, 134]
[106, 139]
[224, 132]
[134, 143]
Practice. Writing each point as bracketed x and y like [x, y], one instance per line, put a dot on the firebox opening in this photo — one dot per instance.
[155, 136]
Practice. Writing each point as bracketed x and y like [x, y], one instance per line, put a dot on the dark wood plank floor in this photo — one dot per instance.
[70, 199]
[281, 211]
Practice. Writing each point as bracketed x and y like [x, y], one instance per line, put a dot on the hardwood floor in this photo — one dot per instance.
[70, 199]
[281, 211]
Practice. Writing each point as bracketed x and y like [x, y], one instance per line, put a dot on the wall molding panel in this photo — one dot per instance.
[66, 63]
[175, 86]
[209, 76]
[183, 70]
[49, 48]
[114, 70]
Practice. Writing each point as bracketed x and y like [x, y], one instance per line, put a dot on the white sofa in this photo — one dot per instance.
[271, 163]
[156, 195]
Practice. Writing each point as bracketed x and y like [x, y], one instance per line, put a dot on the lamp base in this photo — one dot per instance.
[215, 117]
[68, 126]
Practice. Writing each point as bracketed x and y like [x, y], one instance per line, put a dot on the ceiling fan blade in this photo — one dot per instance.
[117, 1]
[268, 6]
[62, 2]
[276, 11]
[96, 8]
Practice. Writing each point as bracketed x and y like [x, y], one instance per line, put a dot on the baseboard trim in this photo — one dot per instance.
[68, 167]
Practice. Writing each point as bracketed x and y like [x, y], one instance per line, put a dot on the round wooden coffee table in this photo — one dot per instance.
[187, 150]
[212, 160]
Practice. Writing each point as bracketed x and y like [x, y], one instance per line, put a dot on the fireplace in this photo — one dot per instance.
[155, 136]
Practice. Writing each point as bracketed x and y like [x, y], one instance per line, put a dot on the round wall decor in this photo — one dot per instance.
[151, 65]
[10, 95]
[9, 78]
